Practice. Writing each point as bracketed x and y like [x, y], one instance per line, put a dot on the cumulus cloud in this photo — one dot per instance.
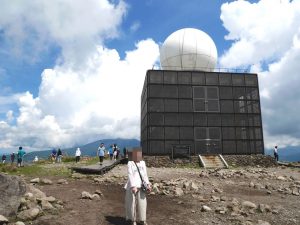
[72, 25]
[266, 36]
[10, 116]
[102, 100]
[90, 93]
[6, 101]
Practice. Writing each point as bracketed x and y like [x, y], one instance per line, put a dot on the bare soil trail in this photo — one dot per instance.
[273, 191]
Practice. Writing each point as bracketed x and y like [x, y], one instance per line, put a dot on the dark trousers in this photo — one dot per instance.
[101, 159]
[276, 156]
[19, 162]
[77, 158]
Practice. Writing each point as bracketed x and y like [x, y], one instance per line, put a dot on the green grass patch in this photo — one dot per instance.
[68, 159]
[37, 170]
[93, 160]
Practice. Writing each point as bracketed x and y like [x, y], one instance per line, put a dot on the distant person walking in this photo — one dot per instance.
[53, 155]
[276, 153]
[101, 152]
[59, 156]
[77, 155]
[124, 152]
[3, 158]
[12, 157]
[115, 149]
[20, 156]
[110, 152]
[115, 155]
[36, 159]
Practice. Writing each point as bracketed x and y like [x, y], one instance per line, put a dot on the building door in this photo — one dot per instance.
[207, 140]
[206, 99]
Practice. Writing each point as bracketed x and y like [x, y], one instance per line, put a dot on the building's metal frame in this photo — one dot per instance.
[213, 112]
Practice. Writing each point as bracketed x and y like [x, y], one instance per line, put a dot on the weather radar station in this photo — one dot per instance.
[188, 102]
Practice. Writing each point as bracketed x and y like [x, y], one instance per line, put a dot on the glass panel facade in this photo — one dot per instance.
[213, 120]
[199, 105]
[186, 119]
[212, 112]
[171, 105]
[225, 79]
[199, 92]
[198, 78]
[212, 93]
[172, 133]
[184, 78]
[212, 79]
[212, 106]
[206, 99]
[238, 80]
[200, 133]
[169, 77]
[200, 119]
[184, 92]
[171, 119]
[226, 93]
[185, 105]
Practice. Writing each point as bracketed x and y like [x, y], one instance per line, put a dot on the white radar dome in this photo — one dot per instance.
[188, 49]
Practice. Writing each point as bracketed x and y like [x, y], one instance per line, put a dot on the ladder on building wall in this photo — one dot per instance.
[213, 161]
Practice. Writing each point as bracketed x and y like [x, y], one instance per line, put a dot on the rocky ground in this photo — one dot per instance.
[244, 195]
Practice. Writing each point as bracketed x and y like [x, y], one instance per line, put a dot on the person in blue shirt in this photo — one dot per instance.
[111, 152]
[101, 152]
[20, 156]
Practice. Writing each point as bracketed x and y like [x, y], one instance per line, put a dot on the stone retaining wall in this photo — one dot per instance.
[166, 161]
[250, 160]
[232, 160]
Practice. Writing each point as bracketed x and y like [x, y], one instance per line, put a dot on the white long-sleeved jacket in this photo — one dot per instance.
[134, 179]
[78, 152]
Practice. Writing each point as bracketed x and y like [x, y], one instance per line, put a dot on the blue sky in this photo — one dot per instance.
[61, 62]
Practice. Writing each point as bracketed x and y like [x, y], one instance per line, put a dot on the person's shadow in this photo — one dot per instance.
[116, 220]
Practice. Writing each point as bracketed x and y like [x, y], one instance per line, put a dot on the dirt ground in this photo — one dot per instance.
[186, 209]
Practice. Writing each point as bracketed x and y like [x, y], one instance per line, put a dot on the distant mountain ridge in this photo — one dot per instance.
[89, 149]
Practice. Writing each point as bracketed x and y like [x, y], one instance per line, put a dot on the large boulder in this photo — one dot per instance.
[12, 188]
[29, 214]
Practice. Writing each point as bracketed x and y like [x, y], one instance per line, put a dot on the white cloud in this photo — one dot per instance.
[10, 116]
[101, 100]
[90, 93]
[261, 31]
[6, 101]
[266, 36]
[135, 26]
[72, 25]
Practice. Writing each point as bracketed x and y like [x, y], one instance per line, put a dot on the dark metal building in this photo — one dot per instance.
[211, 112]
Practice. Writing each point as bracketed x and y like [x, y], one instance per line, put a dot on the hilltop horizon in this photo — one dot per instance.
[108, 140]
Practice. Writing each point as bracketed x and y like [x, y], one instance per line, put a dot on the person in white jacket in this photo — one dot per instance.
[135, 195]
[77, 155]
